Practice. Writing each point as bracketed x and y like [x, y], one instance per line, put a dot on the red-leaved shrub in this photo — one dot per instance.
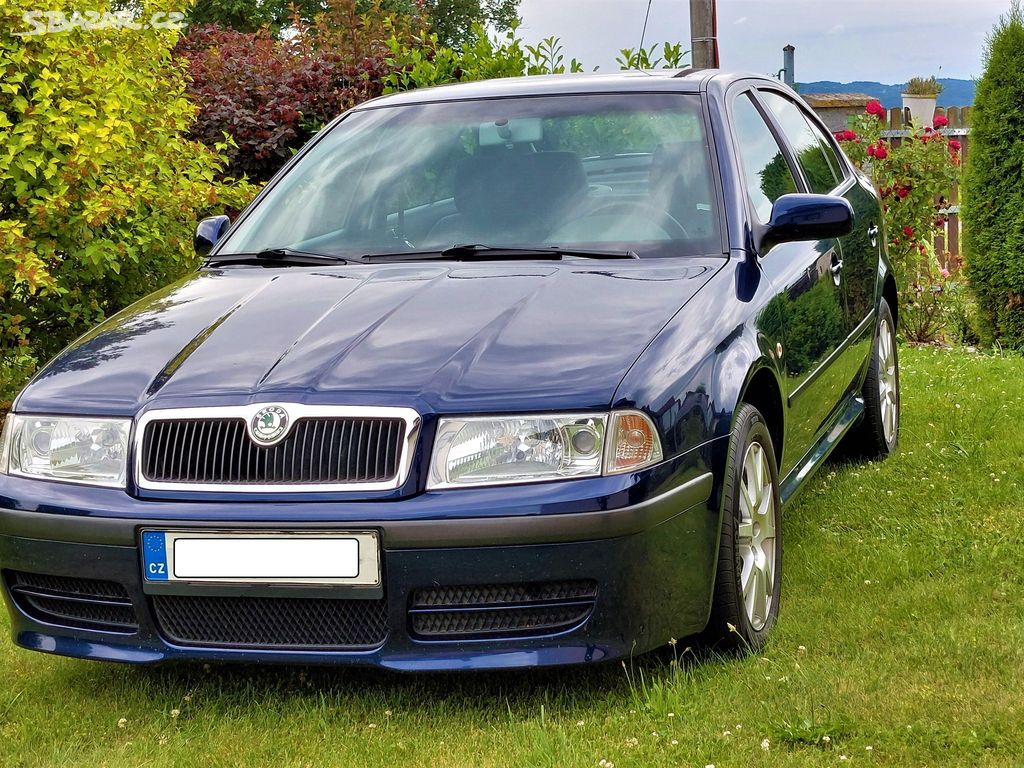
[269, 95]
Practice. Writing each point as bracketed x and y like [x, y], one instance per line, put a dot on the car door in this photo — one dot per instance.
[809, 306]
[826, 171]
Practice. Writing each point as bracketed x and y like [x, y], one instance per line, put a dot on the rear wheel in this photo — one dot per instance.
[748, 583]
[878, 433]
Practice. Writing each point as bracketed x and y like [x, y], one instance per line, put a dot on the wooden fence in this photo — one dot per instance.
[947, 244]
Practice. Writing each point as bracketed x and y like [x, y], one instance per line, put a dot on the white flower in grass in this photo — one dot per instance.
[122, 723]
[175, 713]
[765, 744]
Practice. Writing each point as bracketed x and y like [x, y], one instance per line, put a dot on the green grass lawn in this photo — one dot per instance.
[901, 642]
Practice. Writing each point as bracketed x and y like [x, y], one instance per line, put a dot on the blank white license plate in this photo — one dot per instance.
[262, 558]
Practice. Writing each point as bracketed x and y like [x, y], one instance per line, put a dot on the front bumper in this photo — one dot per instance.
[652, 561]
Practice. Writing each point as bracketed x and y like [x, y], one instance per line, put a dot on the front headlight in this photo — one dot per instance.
[500, 450]
[75, 450]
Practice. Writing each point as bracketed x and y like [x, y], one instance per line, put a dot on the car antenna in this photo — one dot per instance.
[643, 34]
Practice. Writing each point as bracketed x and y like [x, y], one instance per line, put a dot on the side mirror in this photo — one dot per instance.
[805, 217]
[208, 232]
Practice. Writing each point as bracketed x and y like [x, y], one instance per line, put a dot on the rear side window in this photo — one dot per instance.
[817, 161]
[765, 170]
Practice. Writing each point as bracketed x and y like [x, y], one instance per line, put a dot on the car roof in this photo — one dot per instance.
[647, 81]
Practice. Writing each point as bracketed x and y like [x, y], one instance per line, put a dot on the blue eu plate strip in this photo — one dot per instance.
[154, 555]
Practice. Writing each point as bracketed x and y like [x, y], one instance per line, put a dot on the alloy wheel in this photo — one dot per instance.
[757, 535]
[888, 395]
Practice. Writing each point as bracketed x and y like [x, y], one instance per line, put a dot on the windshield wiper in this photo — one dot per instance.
[278, 256]
[479, 251]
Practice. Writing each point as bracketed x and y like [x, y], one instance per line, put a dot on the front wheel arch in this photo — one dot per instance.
[762, 391]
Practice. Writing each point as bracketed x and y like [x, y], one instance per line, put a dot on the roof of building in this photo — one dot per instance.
[836, 100]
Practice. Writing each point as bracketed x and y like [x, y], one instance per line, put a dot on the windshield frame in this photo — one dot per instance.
[720, 241]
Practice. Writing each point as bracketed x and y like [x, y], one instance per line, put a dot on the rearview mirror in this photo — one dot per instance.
[208, 232]
[805, 217]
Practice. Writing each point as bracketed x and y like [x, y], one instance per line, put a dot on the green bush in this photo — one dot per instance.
[993, 199]
[99, 189]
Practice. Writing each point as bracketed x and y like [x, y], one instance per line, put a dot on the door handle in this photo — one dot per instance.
[873, 235]
[837, 268]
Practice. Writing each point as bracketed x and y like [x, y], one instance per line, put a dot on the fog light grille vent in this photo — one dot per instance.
[479, 612]
[68, 601]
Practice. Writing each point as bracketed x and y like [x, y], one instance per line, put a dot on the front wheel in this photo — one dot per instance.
[748, 583]
[878, 433]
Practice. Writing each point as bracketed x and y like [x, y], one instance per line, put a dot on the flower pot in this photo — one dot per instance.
[922, 107]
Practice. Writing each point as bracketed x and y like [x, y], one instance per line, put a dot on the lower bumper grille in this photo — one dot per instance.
[268, 622]
[72, 602]
[500, 610]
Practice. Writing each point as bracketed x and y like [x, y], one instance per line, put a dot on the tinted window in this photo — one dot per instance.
[820, 170]
[606, 171]
[765, 170]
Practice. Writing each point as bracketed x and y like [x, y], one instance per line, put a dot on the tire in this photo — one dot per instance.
[743, 612]
[877, 434]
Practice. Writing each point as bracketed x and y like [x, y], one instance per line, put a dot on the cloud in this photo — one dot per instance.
[740, 20]
[837, 29]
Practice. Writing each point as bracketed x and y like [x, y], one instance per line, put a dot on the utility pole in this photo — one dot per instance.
[703, 34]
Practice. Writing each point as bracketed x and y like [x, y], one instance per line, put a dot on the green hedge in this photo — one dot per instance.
[993, 209]
[99, 189]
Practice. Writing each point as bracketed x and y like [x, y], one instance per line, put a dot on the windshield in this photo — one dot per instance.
[616, 172]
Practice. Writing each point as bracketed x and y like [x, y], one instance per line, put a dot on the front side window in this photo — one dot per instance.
[622, 172]
[765, 169]
[822, 172]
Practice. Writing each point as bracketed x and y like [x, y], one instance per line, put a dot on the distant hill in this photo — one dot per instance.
[955, 93]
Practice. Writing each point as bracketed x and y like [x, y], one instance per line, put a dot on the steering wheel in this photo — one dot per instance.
[662, 218]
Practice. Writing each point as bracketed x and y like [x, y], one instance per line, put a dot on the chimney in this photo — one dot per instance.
[788, 66]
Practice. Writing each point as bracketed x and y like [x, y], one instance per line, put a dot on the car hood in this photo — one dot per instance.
[442, 337]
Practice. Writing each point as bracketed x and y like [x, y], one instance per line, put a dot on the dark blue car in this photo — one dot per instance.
[494, 375]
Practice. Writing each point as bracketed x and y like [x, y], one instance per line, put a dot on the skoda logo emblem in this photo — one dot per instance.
[269, 424]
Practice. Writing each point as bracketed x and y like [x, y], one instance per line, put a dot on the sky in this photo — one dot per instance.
[887, 41]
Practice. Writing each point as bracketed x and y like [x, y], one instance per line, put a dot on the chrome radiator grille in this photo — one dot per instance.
[317, 451]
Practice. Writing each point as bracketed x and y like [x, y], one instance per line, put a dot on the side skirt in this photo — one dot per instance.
[798, 476]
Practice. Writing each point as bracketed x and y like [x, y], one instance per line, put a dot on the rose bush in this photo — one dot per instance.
[913, 174]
